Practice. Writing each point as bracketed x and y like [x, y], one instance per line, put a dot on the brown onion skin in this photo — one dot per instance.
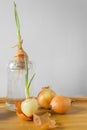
[60, 104]
[45, 96]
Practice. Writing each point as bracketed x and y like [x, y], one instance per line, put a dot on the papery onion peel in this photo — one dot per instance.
[44, 121]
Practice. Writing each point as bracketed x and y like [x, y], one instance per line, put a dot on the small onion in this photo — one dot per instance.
[60, 104]
[29, 106]
[45, 96]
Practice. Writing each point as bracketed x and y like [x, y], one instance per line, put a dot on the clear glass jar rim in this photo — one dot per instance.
[17, 64]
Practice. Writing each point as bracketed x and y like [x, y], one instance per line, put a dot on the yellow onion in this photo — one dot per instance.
[29, 106]
[45, 96]
[60, 104]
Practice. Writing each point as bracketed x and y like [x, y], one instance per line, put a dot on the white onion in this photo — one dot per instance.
[29, 106]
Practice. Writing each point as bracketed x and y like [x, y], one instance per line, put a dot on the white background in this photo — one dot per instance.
[55, 37]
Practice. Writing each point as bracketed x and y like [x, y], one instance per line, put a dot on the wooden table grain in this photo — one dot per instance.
[74, 119]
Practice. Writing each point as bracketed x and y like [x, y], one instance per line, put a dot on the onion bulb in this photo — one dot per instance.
[29, 106]
[45, 96]
[60, 104]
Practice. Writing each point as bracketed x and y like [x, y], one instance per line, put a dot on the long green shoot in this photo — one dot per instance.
[17, 22]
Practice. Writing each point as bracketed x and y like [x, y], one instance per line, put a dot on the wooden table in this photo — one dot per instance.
[74, 119]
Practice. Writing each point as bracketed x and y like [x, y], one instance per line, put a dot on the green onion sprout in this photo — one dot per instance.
[19, 44]
[27, 81]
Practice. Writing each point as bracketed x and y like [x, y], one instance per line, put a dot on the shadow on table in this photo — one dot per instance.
[77, 110]
[6, 114]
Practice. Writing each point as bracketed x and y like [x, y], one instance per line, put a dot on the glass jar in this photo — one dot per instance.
[16, 82]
